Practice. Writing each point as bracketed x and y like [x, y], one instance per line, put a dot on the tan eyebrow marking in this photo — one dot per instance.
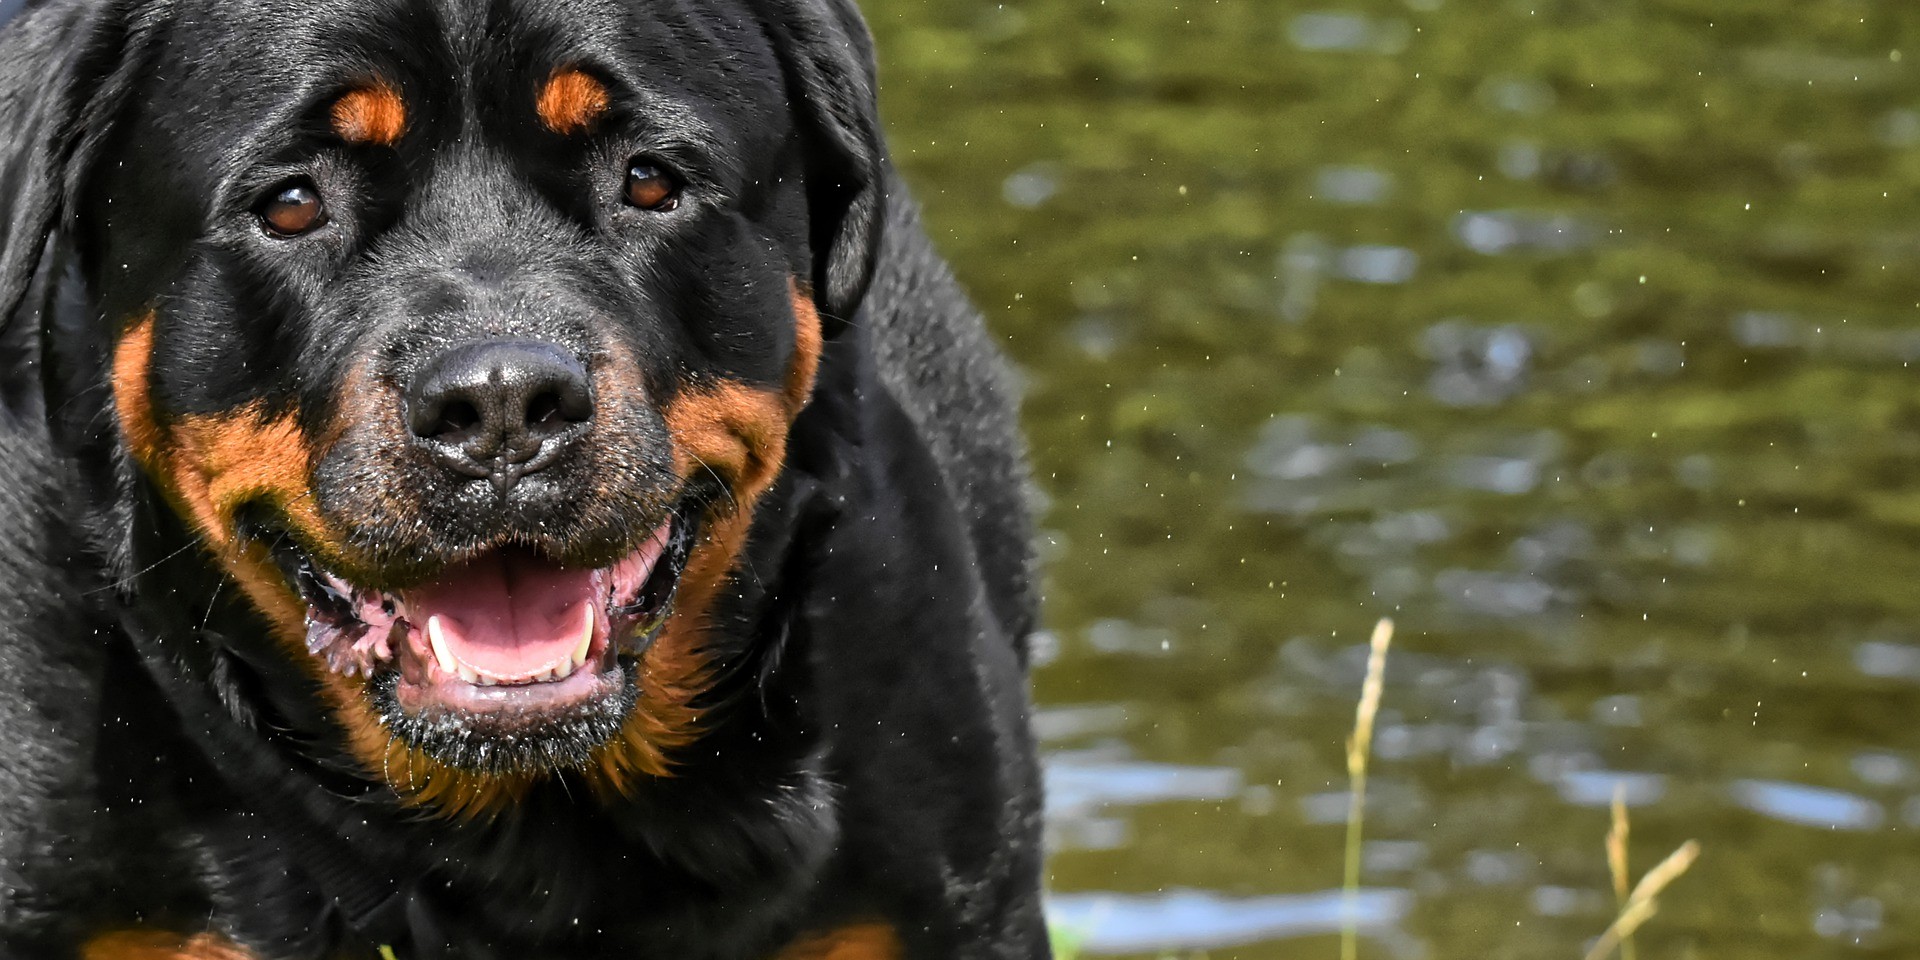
[571, 101]
[373, 114]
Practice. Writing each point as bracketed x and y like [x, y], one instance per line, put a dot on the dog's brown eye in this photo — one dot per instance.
[651, 188]
[295, 210]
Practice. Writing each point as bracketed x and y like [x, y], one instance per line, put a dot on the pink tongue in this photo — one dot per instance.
[509, 614]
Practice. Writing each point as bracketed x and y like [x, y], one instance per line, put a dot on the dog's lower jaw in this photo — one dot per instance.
[512, 743]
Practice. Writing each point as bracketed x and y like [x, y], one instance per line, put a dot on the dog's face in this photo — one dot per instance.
[465, 336]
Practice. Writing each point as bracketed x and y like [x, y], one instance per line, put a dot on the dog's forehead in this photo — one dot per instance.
[255, 59]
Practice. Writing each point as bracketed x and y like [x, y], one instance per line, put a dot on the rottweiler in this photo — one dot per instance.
[495, 479]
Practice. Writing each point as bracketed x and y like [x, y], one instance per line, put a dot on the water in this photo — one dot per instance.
[1578, 336]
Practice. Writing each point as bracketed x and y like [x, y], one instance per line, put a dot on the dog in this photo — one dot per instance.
[495, 479]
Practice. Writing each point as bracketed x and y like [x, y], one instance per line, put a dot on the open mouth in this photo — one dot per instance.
[509, 634]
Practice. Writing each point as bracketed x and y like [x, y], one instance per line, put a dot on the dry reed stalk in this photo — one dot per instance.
[1358, 747]
[1617, 861]
[1641, 903]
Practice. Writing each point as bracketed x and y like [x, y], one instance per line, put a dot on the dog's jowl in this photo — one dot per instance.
[494, 479]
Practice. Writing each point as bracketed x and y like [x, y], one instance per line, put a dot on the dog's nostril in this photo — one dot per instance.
[458, 421]
[543, 413]
[499, 407]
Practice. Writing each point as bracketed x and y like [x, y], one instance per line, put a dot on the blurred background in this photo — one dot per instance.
[1579, 336]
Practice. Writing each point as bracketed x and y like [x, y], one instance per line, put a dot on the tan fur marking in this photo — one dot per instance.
[806, 348]
[674, 669]
[732, 429]
[672, 673]
[132, 363]
[571, 101]
[373, 114]
[861, 941]
[740, 433]
[218, 464]
[418, 779]
[210, 466]
[161, 945]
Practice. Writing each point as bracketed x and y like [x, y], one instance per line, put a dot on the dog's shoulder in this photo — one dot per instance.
[933, 353]
[51, 666]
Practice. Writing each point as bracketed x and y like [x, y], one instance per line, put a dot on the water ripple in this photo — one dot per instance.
[1200, 919]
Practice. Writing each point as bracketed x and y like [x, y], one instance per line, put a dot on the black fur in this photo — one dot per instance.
[864, 756]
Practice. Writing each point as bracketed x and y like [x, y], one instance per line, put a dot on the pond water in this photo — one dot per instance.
[1582, 337]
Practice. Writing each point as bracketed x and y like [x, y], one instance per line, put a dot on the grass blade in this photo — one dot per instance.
[1358, 748]
[1641, 902]
[1617, 861]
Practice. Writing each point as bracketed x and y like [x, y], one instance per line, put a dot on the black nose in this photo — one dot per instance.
[500, 409]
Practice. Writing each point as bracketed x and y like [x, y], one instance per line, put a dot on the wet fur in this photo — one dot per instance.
[170, 776]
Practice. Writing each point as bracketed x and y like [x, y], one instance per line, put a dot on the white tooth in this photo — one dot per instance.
[544, 677]
[469, 676]
[586, 641]
[439, 643]
[487, 681]
[563, 671]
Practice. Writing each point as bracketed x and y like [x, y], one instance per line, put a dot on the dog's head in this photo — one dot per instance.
[462, 336]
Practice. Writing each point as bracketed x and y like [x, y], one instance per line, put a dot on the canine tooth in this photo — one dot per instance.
[440, 652]
[563, 671]
[586, 642]
[469, 676]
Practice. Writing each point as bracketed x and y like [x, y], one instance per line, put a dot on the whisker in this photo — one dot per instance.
[127, 580]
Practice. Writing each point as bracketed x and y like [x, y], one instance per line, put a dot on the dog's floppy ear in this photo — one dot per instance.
[65, 68]
[828, 58]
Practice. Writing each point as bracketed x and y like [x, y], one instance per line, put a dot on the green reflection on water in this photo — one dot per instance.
[1576, 334]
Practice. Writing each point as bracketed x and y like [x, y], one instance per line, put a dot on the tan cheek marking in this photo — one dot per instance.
[132, 362]
[161, 945]
[212, 467]
[806, 348]
[863, 941]
[373, 114]
[208, 467]
[217, 464]
[571, 101]
[739, 432]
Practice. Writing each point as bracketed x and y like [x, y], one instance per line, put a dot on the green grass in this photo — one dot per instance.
[1066, 941]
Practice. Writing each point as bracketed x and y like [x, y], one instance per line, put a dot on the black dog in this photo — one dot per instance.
[494, 478]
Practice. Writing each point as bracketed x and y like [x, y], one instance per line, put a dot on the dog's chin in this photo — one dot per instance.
[510, 730]
[509, 662]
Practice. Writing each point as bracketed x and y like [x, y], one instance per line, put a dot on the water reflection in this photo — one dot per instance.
[1344, 31]
[1077, 785]
[1196, 919]
[1495, 232]
[1808, 806]
[1359, 186]
[1578, 337]
[1597, 788]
